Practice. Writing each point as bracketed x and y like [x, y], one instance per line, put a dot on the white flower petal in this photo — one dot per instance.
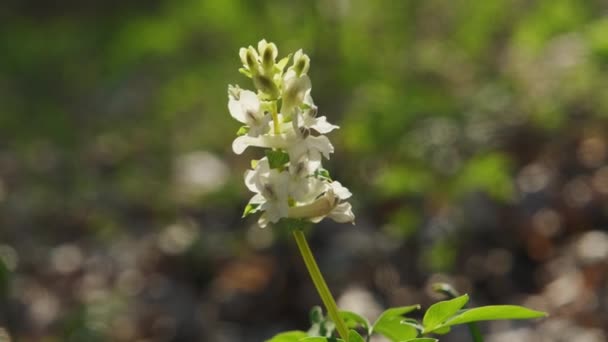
[312, 148]
[236, 110]
[263, 221]
[321, 125]
[340, 191]
[249, 100]
[294, 91]
[262, 45]
[254, 179]
[243, 55]
[250, 180]
[257, 199]
[275, 210]
[308, 100]
[321, 144]
[342, 213]
[240, 144]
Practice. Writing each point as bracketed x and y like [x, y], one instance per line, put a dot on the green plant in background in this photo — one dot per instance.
[292, 188]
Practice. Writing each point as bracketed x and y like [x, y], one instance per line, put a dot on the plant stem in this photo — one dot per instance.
[320, 284]
[275, 118]
[475, 333]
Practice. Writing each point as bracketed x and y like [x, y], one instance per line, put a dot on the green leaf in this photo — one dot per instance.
[321, 339]
[277, 158]
[441, 311]
[320, 325]
[245, 72]
[389, 324]
[283, 62]
[316, 315]
[413, 323]
[354, 336]
[423, 339]
[289, 336]
[322, 173]
[242, 130]
[250, 208]
[442, 330]
[399, 311]
[493, 312]
[354, 320]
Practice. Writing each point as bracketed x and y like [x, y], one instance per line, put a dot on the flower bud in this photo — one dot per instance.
[266, 85]
[234, 92]
[294, 91]
[269, 53]
[249, 58]
[301, 63]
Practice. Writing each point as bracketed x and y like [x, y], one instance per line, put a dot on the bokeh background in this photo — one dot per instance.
[474, 136]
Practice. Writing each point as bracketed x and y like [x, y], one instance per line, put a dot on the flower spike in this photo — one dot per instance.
[290, 182]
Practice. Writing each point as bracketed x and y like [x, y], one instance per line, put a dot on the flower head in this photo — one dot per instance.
[289, 182]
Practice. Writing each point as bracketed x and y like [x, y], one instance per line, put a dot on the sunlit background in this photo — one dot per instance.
[474, 137]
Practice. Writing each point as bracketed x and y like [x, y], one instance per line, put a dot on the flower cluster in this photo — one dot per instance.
[290, 181]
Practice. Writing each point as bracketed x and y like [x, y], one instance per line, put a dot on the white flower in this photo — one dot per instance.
[312, 148]
[340, 191]
[280, 141]
[246, 109]
[304, 190]
[271, 188]
[342, 213]
[293, 92]
[310, 119]
[328, 205]
[296, 187]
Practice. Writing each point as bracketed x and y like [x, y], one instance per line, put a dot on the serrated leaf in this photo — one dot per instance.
[423, 339]
[242, 131]
[354, 336]
[389, 324]
[493, 312]
[441, 311]
[250, 208]
[353, 320]
[289, 336]
[276, 158]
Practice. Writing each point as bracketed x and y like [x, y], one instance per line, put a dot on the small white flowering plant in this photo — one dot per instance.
[290, 186]
[281, 117]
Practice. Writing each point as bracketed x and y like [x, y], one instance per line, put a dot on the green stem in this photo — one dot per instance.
[275, 118]
[320, 284]
[475, 333]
